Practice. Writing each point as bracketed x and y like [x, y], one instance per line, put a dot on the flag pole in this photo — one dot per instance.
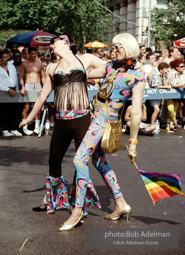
[134, 163]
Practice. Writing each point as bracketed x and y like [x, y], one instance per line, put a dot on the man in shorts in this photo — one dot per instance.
[31, 78]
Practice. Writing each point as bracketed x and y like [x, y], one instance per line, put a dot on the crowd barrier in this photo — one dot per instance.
[31, 97]
[149, 94]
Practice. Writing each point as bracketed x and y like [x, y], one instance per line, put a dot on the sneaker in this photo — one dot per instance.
[27, 132]
[7, 133]
[15, 132]
[36, 131]
[52, 128]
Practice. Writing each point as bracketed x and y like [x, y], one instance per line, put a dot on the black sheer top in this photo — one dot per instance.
[71, 89]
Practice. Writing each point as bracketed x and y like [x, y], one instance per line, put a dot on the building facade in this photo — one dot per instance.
[133, 16]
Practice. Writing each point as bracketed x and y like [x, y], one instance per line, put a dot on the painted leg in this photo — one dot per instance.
[110, 179]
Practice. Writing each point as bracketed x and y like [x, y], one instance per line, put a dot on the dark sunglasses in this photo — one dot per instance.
[54, 39]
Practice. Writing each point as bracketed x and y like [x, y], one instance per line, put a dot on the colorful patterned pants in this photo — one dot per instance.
[90, 146]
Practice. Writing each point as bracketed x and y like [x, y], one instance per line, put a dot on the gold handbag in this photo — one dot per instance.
[112, 136]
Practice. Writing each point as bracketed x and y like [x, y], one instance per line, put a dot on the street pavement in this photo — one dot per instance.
[23, 169]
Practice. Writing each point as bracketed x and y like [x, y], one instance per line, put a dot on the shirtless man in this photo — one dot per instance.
[30, 77]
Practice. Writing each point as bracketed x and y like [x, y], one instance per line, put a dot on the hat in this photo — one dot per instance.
[65, 38]
[62, 37]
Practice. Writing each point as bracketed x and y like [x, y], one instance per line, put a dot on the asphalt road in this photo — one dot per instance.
[23, 169]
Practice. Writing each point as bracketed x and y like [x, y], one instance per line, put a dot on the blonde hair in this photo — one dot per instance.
[129, 43]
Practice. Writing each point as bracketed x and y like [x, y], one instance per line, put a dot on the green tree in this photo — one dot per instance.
[80, 19]
[169, 24]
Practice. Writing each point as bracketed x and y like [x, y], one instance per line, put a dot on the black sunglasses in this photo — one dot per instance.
[54, 39]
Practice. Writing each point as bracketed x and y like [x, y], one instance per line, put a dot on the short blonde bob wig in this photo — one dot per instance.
[129, 43]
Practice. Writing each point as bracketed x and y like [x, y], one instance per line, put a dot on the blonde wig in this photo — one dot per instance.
[129, 43]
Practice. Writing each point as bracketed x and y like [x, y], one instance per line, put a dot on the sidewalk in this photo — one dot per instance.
[23, 169]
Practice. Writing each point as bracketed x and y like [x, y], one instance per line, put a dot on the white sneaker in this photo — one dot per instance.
[15, 132]
[36, 131]
[7, 133]
[27, 132]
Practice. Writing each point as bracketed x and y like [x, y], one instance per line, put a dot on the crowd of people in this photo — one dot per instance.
[24, 69]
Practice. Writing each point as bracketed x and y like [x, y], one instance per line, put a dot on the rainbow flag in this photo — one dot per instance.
[161, 185]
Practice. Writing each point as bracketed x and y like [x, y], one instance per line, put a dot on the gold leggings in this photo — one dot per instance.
[172, 109]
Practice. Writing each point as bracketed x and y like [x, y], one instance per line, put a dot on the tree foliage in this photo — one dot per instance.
[169, 24]
[82, 20]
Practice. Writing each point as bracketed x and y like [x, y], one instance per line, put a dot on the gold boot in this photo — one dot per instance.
[126, 210]
[65, 227]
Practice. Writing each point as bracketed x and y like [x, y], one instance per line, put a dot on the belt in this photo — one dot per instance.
[101, 106]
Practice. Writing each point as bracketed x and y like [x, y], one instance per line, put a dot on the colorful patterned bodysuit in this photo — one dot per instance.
[90, 146]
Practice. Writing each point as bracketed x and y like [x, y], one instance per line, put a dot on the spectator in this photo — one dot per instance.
[148, 50]
[17, 61]
[165, 54]
[9, 83]
[25, 55]
[33, 72]
[45, 63]
[150, 67]
[159, 59]
[112, 55]
[144, 128]
[141, 62]
[99, 52]
[176, 80]
[142, 48]
[54, 58]
[17, 58]
[20, 48]
[174, 54]
[159, 79]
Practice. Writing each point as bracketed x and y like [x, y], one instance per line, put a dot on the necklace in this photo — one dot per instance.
[125, 63]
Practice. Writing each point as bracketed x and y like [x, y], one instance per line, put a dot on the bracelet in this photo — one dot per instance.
[133, 141]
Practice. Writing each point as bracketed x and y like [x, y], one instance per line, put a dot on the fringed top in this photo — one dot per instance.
[71, 90]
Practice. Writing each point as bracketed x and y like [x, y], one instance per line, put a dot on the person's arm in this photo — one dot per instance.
[164, 85]
[21, 79]
[96, 73]
[152, 71]
[144, 113]
[43, 75]
[95, 66]
[47, 88]
[136, 113]
[127, 116]
[179, 86]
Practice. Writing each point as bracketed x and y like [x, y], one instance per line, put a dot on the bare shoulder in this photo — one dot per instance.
[51, 68]
[25, 63]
